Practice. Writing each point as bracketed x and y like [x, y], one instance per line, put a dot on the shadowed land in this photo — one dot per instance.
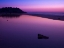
[10, 12]
[54, 17]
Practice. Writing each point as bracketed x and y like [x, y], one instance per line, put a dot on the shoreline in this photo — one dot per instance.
[54, 17]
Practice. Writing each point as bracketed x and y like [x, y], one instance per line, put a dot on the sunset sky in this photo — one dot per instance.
[35, 5]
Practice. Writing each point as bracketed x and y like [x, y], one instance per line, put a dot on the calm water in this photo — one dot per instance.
[22, 32]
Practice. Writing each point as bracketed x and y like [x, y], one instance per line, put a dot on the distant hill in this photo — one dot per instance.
[11, 10]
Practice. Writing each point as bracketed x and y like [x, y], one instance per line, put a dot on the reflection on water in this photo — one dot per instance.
[22, 32]
[16, 15]
[11, 15]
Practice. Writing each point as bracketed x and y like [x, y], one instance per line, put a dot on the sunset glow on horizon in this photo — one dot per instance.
[35, 5]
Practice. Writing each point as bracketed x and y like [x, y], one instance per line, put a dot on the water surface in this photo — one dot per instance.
[22, 32]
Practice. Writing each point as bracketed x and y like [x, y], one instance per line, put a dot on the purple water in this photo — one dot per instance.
[22, 32]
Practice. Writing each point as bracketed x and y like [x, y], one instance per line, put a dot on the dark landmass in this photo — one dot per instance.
[11, 10]
[42, 37]
[54, 17]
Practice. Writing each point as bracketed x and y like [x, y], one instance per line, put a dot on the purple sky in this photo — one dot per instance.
[35, 5]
